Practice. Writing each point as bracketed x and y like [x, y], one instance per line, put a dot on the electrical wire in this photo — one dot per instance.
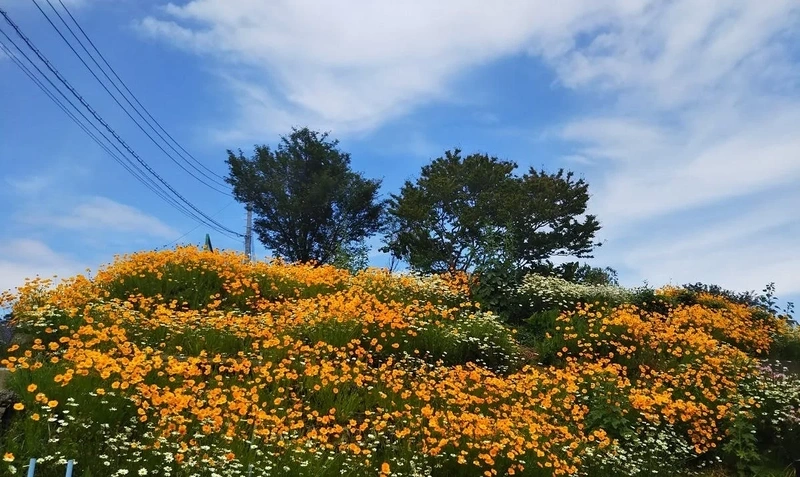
[205, 218]
[114, 97]
[197, 226]
[125, 87]
[129, 166]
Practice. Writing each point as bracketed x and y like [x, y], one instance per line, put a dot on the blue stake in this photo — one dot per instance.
[32, 468]
[69, 468]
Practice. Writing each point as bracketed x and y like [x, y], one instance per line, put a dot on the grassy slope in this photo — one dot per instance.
[191, 356]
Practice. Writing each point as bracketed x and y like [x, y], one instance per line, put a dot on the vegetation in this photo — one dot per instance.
[486, 359]
[309, 204]
[466, 213]
[463, 213]
[187, 362]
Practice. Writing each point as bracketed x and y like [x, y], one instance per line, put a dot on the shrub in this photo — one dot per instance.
[645, 451]
[786, 346]
[128, 372]
[775, 410]
[551, 292]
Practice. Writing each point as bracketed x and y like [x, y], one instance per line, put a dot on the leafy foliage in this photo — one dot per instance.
[577, 272]
[473, 213]
[352, 257]
[545, 211]
[307, 200]
[311, 370]
[444, 221]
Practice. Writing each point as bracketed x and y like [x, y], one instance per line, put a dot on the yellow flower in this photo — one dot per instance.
[385, 469]
[52, 403]
[32, 388]
[8, 457]
[19, 406]
[35, 416]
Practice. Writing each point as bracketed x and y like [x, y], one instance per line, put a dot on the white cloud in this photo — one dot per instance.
[702, 101]
[654, 172]
[676, 52]
[27, 258]
[110, 217]
[47, 182]
[97, 221]
[352, 66]
[741, 264]
[30, 185]
[577, 159]
[703, 125]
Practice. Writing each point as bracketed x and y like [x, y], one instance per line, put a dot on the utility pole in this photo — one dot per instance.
[248, 235]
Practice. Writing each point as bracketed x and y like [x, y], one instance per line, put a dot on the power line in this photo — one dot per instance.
[211, 175]
[122, 83]
[204, 217]
[198, 225]
[124, 109]
[129, 166]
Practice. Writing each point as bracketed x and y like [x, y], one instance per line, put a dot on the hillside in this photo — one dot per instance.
[185, 362]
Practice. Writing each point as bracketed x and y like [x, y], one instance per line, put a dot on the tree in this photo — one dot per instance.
[308, 203]
[579, 273]
[545, 220]
[443, 221]
[467, 213]
[353, 257]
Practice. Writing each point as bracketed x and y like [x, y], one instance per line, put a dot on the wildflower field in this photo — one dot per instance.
[193, 363]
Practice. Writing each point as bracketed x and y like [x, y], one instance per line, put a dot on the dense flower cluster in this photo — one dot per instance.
[775, 391]
[184, 362]
[689, 377]
[559, 293]
[177, 361]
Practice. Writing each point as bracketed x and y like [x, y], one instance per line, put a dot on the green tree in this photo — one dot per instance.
[579, 273]
[307, 201]
[548, 218]
[468, 213]
[353, 257]
[445, 220]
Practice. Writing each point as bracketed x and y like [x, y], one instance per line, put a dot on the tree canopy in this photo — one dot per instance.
[307, 201]
[465, 213]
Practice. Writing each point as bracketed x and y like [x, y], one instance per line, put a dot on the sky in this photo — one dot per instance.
[681, 115]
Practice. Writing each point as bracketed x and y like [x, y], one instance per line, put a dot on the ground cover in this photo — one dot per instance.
[185, 362]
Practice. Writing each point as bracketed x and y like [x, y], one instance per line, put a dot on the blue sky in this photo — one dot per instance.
[682, 116]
